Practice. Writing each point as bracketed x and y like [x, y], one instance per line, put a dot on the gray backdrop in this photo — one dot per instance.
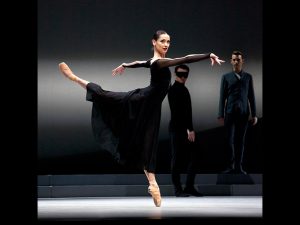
[95, 36]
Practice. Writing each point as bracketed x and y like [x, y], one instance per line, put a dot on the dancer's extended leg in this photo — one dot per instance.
[67, 72]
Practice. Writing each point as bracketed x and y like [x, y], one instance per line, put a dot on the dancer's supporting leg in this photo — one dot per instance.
[153, 188]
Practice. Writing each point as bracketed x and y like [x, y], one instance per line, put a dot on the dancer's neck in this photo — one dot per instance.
[158, 55]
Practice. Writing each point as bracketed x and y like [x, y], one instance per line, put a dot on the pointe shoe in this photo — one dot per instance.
[65, 69]
[154, 191]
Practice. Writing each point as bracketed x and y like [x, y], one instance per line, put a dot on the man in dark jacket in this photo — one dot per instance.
[237, 100]
[182, 133]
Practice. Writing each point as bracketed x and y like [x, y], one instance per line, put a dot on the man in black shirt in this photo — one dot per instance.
[237, 100]
[182, 133]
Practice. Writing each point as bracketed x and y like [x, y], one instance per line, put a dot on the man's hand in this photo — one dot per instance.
[254, 120]
[191, 135]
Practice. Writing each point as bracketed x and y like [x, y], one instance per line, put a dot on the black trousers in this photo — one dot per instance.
[182, 159]
[236, 126]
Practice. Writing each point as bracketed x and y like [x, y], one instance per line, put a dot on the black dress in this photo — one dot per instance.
[126, 124]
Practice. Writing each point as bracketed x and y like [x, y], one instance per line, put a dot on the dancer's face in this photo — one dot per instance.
[161, 45]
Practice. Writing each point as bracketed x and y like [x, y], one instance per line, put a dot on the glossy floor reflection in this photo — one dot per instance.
[111, 208]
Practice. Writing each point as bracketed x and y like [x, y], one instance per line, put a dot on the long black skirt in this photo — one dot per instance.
[126, 124]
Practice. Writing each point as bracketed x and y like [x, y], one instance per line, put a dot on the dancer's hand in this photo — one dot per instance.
[215, 59]
[119, 70]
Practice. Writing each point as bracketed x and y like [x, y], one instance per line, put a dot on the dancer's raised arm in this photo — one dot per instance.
[166, 62]
[120, 69]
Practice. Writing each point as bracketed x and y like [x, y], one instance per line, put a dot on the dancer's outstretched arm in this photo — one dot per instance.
[166, 62]
[136, 64]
